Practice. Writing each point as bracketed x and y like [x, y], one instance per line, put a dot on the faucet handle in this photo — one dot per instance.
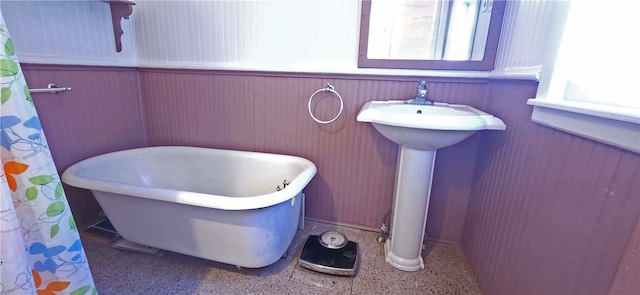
[421, 90]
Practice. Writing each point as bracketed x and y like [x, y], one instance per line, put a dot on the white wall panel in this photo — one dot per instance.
[310, 35]
[67, 32]
[250, 34]
[271, 35]
[524, 36]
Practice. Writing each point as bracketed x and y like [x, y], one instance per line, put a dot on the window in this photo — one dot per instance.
[437, 34]
[589, 86]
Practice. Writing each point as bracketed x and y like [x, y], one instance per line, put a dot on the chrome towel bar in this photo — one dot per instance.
[51, 88]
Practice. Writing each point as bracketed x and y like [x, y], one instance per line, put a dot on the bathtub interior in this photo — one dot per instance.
[208, 171]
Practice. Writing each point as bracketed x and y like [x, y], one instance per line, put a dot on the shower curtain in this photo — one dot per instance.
[40, 248]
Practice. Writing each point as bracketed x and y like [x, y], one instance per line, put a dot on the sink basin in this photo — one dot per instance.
[419, 130]
[426, 127]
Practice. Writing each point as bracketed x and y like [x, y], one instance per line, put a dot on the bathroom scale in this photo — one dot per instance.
[331, 253]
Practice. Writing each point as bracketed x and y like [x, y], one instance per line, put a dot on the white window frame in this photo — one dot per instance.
[613, 125]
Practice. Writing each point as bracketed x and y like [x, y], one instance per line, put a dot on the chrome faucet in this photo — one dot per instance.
[421, 95]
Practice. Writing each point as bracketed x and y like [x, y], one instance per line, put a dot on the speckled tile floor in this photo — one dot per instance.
[122, 272]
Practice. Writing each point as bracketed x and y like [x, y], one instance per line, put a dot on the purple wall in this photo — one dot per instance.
[101, 114]
[549, 213]
[537, 211]
[356, 165]
[626, 280]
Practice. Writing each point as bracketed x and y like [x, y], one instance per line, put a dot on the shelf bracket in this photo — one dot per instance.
[119, 9]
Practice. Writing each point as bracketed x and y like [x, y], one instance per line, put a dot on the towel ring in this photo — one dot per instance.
[331, 89]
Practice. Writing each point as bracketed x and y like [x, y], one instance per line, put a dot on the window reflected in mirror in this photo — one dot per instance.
[430, 34]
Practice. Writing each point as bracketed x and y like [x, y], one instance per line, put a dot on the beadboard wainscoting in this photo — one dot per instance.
[535, 210]
[268, 113]
[100, 114]
[549, 212]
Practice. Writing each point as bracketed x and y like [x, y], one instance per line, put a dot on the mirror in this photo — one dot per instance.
[430, 34]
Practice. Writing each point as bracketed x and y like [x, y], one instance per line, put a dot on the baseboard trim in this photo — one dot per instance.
[360, 227]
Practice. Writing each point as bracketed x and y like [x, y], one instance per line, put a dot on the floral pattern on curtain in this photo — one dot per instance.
[40, 248]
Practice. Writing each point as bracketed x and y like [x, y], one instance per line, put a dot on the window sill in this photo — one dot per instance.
[619, 127]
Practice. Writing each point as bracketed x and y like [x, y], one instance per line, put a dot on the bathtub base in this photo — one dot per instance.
[247, 238]
[125, 245]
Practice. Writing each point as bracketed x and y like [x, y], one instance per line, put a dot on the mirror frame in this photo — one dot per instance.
[486, 64]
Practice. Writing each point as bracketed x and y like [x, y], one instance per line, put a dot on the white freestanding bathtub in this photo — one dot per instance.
[221, 205]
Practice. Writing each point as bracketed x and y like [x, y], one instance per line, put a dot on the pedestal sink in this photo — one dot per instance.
[419, 130]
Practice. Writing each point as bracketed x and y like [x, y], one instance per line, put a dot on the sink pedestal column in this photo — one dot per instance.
[414, 173]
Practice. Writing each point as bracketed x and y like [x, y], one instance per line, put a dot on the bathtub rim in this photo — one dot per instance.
[71, 177]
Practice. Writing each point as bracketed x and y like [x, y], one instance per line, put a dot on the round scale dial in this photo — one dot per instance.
[333, 240]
